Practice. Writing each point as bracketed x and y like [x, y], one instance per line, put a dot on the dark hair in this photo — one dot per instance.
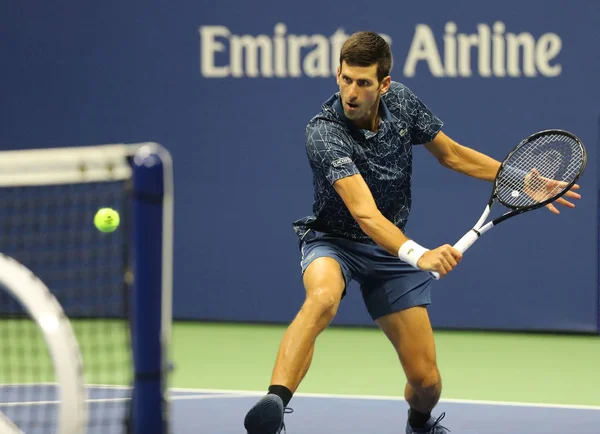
[366, 49]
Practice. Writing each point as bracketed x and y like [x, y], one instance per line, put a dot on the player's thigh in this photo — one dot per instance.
[324, 283]
[411, 334]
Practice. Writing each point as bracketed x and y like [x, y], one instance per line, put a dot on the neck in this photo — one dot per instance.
[375, 120]
[371, 122]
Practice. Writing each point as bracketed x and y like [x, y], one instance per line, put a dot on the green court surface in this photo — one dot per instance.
[104, 345]
[515, 367]
[489, 366]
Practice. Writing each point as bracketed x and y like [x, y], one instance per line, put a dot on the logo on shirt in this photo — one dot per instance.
[341, 161]
[403, 131]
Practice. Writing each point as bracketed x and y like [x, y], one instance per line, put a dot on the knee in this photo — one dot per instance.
[321, 304]
[424, 375]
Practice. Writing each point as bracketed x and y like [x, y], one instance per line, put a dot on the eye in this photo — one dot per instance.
[347, 79]
[363, 83]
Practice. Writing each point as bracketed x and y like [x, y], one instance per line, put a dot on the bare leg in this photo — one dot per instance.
[410, 333]
[324, 285]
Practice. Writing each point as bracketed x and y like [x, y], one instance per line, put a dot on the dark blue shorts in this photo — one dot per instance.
[387, 283]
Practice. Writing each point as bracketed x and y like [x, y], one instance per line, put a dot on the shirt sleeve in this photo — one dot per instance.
[329, 152]
[424, 124]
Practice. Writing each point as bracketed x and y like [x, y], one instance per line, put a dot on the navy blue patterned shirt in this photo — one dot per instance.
[337, 149]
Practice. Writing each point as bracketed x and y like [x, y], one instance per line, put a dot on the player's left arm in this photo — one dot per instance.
[461, 159]
[470, 162]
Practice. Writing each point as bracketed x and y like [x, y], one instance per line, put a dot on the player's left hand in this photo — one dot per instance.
[562, 201]
[540, 188]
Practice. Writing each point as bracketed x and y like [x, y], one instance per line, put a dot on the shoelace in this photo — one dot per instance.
[436, 425]
[286, 410]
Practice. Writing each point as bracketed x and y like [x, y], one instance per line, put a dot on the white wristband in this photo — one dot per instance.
[410, 252]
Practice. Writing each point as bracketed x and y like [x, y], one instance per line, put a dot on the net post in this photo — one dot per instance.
[152, 239]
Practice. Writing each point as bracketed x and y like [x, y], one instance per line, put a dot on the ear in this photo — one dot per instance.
[385, 84]
[337, 75]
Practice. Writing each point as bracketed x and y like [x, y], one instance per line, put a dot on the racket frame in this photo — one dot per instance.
[35, 297]
[479, 228]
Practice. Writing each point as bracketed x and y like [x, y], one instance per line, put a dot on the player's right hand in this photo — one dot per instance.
[443, 259]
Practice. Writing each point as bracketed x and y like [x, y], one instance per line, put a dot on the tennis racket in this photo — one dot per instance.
[30, 397]
[539, 170]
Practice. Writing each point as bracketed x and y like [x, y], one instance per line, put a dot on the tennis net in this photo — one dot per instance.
[105, 283]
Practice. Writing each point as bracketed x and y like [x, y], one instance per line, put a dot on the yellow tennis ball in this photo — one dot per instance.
[106, 220]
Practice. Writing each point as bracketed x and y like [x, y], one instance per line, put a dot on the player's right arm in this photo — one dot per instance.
[360, 202]
[330, 154]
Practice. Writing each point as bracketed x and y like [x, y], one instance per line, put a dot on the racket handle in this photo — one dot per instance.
[466, 241]
[461, 245]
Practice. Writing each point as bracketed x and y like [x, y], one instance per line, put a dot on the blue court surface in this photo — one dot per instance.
[222, 412]
[216, 412]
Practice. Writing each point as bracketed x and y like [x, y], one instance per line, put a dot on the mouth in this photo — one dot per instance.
[351, 106]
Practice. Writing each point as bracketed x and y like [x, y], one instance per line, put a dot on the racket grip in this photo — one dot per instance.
[466, 241]
[461, 245]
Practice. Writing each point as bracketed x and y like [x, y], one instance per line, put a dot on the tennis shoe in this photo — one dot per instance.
[266, 417]
[431, 427]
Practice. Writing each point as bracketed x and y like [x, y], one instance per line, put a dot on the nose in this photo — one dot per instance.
[352, 92]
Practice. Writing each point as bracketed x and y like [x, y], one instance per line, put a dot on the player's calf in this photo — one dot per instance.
[424, 386]
[422, 393]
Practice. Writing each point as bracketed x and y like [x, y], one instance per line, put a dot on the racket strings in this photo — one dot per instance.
[539, 170]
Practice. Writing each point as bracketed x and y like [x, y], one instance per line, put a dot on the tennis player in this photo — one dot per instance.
[359, 147]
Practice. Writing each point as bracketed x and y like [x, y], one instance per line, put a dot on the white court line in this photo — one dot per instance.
[101, 400]
[124, 399]
[220, 396]
[247, 393]
[95, 386]
[108, 386]
[37, 403]
[26, 384]
[27, 403]
[227, 393]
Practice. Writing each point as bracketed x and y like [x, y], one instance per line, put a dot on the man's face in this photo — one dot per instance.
[360, 91]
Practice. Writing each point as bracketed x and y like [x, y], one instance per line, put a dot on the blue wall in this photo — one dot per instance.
[83, 73]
